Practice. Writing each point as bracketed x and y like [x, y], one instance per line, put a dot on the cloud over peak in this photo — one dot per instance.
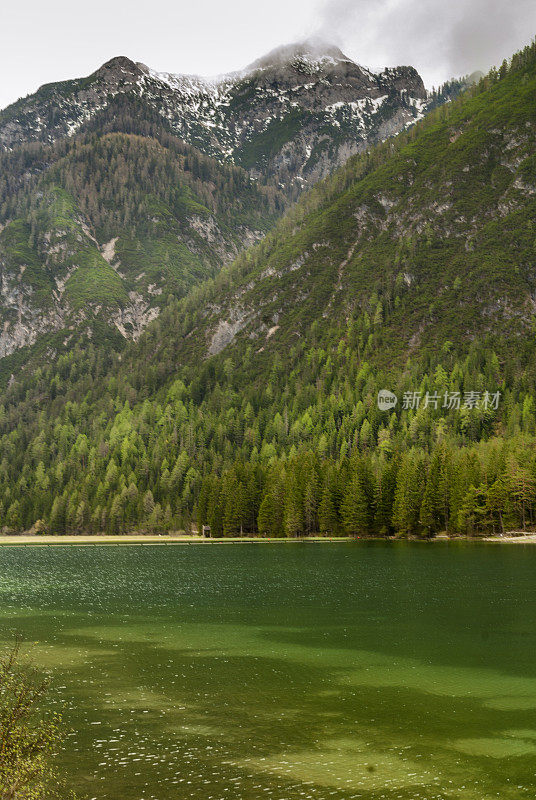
[441, 39]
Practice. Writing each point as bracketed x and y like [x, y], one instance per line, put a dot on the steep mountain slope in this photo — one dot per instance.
[252, 402]
[106, 226]
[292, 116]
[427, 238]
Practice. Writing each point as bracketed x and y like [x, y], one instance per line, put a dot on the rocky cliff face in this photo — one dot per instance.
[293, 115]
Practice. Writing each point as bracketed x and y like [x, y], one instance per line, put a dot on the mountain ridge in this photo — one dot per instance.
[314, 109]
[257, 138]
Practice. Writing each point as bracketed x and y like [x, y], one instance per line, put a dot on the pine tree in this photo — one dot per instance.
[496, 501]
[293, 507]
[385, 495]
[270, 517]
[355, 511]
[407, 500]
[328, 512]
[522, 486]
[233, 511]
[431, 507]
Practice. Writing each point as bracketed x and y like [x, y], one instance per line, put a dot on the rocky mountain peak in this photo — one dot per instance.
[119, 68]
[313, 52]
[119, 63]
[404, 79]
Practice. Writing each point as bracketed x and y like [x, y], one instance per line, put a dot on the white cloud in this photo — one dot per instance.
[441, 38]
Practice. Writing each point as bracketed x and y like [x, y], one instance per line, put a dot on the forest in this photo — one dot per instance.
[308, 453]
[280, 433]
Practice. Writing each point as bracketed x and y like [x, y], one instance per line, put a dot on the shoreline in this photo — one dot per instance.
[30, 540]
[513, 537]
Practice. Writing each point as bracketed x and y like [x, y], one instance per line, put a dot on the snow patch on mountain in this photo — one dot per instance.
[291, 116]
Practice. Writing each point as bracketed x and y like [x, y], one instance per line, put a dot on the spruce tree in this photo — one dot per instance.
[355, 511]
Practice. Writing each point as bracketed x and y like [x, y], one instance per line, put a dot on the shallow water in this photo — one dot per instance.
[385, 671]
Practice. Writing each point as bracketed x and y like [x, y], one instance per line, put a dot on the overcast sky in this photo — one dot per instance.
[43, 41]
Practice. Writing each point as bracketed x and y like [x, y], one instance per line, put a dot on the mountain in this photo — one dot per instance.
[126, 188]
[252, 402]
[291, 116]
[425, 239]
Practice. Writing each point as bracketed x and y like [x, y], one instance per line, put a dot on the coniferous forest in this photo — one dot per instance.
[250, 403]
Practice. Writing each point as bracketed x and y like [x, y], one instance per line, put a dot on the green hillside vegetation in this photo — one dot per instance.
[51, 244]
[94, 282]
[123, 212]
[143, 183]
[411, 269]
[128, 150]
[264, 146]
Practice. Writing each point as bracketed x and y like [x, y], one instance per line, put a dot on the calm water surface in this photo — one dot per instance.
[289, 671]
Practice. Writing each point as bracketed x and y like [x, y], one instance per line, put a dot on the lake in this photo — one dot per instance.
[385, 671]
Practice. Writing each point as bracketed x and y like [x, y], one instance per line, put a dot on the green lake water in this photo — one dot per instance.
[385, 671]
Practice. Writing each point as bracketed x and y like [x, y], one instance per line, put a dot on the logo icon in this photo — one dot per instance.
[386, 400]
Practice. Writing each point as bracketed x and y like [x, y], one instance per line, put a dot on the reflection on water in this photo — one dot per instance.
[375, 671]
